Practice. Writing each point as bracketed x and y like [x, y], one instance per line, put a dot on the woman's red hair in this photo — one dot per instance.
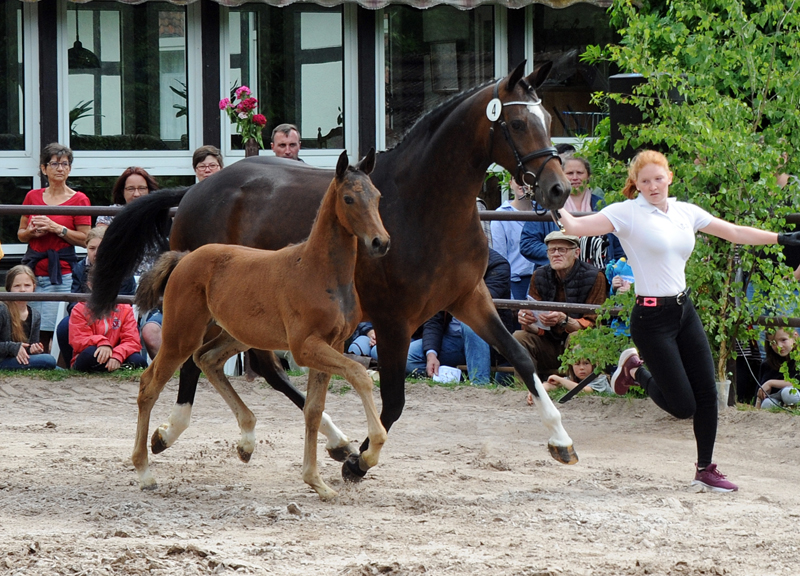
[639, 161]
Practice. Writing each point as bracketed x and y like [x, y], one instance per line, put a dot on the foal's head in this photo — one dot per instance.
[357, 203]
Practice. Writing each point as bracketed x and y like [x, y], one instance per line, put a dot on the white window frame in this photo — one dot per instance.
[323, 158]
[90, 163]
[25, 163]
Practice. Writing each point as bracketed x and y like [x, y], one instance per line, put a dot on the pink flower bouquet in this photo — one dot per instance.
[242, 112]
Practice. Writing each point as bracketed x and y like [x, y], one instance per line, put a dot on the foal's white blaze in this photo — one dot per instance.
[551, 417]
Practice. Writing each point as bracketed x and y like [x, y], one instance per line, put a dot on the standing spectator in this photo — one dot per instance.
[658, 234]
[505, 239]
[566, 278]
[132, 184]
[206, 160]
[286, 141]
[52, 239]
[20, 348]
[597, 250]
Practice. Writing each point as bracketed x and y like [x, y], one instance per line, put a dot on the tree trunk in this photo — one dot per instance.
[250, 148]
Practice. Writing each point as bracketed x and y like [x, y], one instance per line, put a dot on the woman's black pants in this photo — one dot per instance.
[680, 375]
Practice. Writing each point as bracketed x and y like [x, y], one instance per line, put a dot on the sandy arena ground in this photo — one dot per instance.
[465, 486]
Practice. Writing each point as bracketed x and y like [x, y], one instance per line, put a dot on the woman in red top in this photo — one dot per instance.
[52, 239]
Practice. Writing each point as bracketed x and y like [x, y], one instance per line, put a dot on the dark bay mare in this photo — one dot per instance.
[439, 253]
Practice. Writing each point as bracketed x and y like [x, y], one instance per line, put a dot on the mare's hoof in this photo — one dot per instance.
[148, 487]
[157, 443]
[564, 454]
[351, 471]
[244, 456]
[342, 453]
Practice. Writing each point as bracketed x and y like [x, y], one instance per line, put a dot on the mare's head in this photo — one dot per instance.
[520, 128]
[357, 203]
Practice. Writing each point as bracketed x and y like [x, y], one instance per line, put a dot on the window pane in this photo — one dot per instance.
[561, 36]
[292, 60]
[431, 55]
[12, 191]
[12, 134]
[127, 76]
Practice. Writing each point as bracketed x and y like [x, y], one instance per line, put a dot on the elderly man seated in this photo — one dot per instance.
[565, 279]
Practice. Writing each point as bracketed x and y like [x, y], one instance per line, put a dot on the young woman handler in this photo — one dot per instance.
[658, 235]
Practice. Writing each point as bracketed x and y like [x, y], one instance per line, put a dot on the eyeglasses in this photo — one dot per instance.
[559, 250]
[140, 189]
[207, 167]
[57, 165]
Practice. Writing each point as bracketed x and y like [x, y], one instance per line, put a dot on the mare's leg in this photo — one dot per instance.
[267, 365]
[315, 353]
[394, 354]
[314, 405]
[211, 358]
[181, 414]
[478, 312]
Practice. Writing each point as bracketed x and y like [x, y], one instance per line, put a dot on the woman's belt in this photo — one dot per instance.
[653, 301]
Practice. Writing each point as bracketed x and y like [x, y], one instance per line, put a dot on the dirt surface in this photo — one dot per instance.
[465, 486]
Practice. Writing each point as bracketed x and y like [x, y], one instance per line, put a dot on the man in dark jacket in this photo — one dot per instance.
[565, 279]
[447, 341]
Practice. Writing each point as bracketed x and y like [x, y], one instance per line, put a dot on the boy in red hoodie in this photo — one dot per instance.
[107, 343]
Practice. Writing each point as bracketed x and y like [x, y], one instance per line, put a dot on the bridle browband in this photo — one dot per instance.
[550, 152]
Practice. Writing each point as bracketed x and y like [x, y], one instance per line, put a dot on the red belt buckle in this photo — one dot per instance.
[650, 302]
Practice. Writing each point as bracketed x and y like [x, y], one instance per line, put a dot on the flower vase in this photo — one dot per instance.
[250, 147]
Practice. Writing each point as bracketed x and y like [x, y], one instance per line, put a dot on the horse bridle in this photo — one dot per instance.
[550, 152]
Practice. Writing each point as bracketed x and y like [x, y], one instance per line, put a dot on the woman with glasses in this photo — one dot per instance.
[132, 184]
[52, 238]
[206, 160]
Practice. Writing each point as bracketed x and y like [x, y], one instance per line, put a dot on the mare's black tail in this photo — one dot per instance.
[141, 228]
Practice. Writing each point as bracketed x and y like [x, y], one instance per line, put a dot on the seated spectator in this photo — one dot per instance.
[577, 372]
[447, 341]
[596, 250]
[775, 390]
[206, 161]
[20, 348]
[80, 285]
[364, 342]
[505, 239]
[107, 343]
[565, 279]
[52, 239]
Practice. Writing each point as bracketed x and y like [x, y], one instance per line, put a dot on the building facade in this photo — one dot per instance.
[138, 82]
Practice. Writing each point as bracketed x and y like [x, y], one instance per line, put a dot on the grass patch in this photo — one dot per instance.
[122, 375]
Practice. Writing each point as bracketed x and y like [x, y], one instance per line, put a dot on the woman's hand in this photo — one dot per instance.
[102, 354]
[45, 225]
[619, 285]
[113, 364]
[371, 336]
[36, 348]
[22, 355]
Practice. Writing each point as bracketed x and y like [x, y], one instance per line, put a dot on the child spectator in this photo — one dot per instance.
[775, 389]
[80, 284]
[20, 348]
[577, 372]
[107, 343]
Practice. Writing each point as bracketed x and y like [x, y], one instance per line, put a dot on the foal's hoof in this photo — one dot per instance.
[244, 455]
[342, 453]
[157, 442]
[351, 471]
[564, 454]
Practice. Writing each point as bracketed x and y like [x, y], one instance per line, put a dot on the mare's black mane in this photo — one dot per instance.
[432, 119]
